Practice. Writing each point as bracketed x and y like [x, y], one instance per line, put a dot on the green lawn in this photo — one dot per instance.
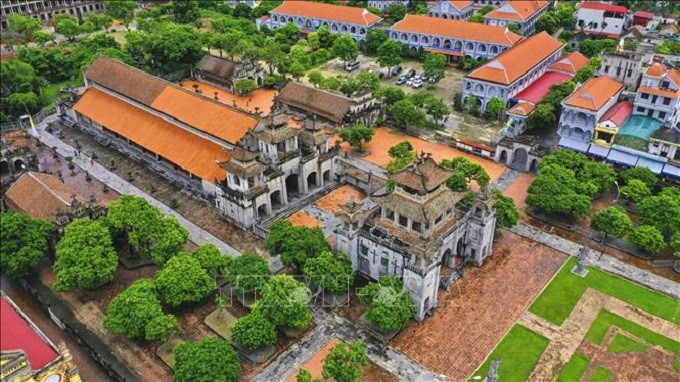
[602, 374]
[677, 365]
[519, 351]
[574, 369]
[624, 344]
[606, 319]
[561, 295]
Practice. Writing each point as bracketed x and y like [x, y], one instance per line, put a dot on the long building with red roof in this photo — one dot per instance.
[451, 9]
[309, 16]
[454, 38]
[524, 13]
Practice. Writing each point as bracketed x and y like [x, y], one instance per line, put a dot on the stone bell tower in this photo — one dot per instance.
[481, 227]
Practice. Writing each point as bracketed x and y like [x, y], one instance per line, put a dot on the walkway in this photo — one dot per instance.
[196, 234]
[330, 325]
[602, 261]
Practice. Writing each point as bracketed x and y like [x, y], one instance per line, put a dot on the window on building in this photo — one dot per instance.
[640, 109]
[665, 84]
[654, 98]
[662, 115]
[439, 219]
[666, 101]
[384, 261]
[416, 227]
[237, 181]
[389, 214]
[618, 71]
[363, 250]
[644, 96]
[403, 221]
[606, 69]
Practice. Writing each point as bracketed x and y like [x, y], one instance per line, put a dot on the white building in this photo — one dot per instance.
[513, 70]
[384, 4]
[601, 19]
[452, 9]
[454, 38]
[310, 16]
[520, 12]
[659, 95]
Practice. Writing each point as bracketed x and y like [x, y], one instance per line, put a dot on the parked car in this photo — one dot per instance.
[409, 82]
[395, 70]
[433, 80]
[351, 66]
[410, 73]
[401, 80]
[381, 75]
[417, 84]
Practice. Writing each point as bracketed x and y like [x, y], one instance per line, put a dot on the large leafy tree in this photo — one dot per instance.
[122, 10]
[548, 23]
[86, 257]
[600, 174]
[169, 241]
[649, 238]
[356, 135]
[405, 114]
[636, 191]
[183, 280]
[569, 159]
[67, 26]
[507, 214]
[212, 259]
[374, 39]
[402, 155]
[675, 243]
[556, 190]
[253, 332]
[642, 174]
[16, 76]
[24, 24]
[495, 108]
[330, 272]
[295, 244]
[208, 359]
[612, 221]
[661, 211]
[389, 54]
[244, 86]
[344, 362]
[160, 327]
[464, 168]
[285, 302]
[172, 46]
[24, 241]
[390, 94]
[390, 305]
[435, 66]
[248, 273]
[346, 48]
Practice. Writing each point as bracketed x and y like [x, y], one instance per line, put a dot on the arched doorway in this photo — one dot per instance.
[519, 160]
[261, 211]
[327, 176]
[460, 247]
[19, 165]
[292, 187]
[533, 166]
[446, 257]
[503, 157]
[311, 181]
[275, 199]
[4, 168]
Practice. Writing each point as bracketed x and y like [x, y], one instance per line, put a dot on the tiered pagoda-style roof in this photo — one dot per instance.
[276, 130]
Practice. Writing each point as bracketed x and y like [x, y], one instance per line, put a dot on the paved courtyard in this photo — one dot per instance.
[258, 100]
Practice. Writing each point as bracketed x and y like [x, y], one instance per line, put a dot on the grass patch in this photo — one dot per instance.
[631, 141]
[624, 344]
[602, 374]
[574, 369]
[606, 319]
[677, 365]
[519, 351]
[561, 295]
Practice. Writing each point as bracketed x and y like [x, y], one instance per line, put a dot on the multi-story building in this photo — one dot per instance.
[454, 38]
[602, 19]
[494, 3]
[224, 73]
[520, 12]
[414, 230]
[666, 144]
[513, 70]
[584, 108]
[452, 9]
[27, 354]
[45, 10]
[625, 66]
[384, 4]
[642, 18]
[310, 16]
[658, 96]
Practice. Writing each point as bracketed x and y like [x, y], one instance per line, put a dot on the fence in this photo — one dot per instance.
[22, 124]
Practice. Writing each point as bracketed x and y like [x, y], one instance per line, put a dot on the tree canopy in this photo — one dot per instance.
[356, 135]
[435, 66]
[507, 214]
[612, 221]
[248, 273]
[389, 54]
[330, 272]
[212, 259]
[183, 280]
[86, 257]
[295, 244]
[648, 238]
[24, 241]
[390, 305]
[465, 171]
[285, 302]
[642, 174]
[557, 190]
[636, 191]
[253, 332]
[345, 48]
[661, 211]
[122, 10]
[402, 155]
[344, 362]
[208, 359]
[406, 114]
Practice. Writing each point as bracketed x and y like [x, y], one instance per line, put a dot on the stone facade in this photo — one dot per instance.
[225, 73]
[46, 10]
[384, 4]
[446, 10]
[526, 20]
[625, 67]
[14, 159]
[413, 230]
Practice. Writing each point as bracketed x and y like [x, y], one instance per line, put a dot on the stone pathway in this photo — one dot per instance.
[602, 261]
[330, 325]
[196, 234]
[507, 177]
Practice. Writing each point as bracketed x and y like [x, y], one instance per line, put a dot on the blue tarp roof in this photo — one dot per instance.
[653, 165]
[574, 144]
[622, 157]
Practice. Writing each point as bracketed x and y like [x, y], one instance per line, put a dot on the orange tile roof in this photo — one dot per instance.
[657, 69]
[459, 29]
[570, 63]
[41, 196]
[659, 92]
[460, 4]
[522, 108]
[192, 153]
[515, 62]
[594, 93]
[517, 10]
[339, 13]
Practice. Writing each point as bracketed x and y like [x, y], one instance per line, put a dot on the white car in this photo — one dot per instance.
[409, 83]
[417, 84]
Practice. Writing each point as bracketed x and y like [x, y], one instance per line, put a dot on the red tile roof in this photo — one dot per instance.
[594, 93]
[644, 15]
[459, 29]
[339, 13]
[41, 196]
[539, 88]
[604, 7]
[522, 108]
[18, 333]
[519, 10]
[618, 114]
[187, 150]
[460, 4]
[570, 63]
[517, 61]
[657, 69]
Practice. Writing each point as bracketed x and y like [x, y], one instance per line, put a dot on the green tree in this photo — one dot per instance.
[295, 244]
[515, 28]
[612, 221]
[600, 174]
[212, 259]
[208, 359]
[648, 238]
[356, 135]
[390, 305]
[548, 23]
[675, 243]
[24, 25]
[642, 174]
[304, 376]
[160, 327]
[137, 220]
[173, 45]
[635, 191]
[243, 11]
[405, 114]
[332, 273]
[661, 211]
[345, 48]
[401, 150]
[17, 103]
[41, 37]
[86, 257]
[285, 302]
[183, 280]
[436, 108]
[132, 310]
[542, 116]
[477, 18]
[568, 159]
[99, 21]
[315, 78]
[122, 10]
[555, 190]
[389, 54]
[344, 362]
[495, 108]
[244, 85]
[330, 83]
[67, 26]
[296, 70]
[435, 65]
[590, 48]
[24, 241]
[471, 104]
[394, 13]
[507, 214]
[468, 170]
[16, 76]
[253, 332]
[586, 72]
[170, 239]
[248, 273]
[374, 39]
[184, 11]
[390, 94]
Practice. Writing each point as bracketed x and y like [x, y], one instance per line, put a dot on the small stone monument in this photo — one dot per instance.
[492, 375]
[580, 267]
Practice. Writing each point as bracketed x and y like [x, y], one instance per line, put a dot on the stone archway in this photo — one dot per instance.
[503, 158]
[19, 165]
[447, 257]
[292, 186]
[326, 176]
[533, 167]
[312, 182]
[275, 199]
[460, 247]
[262, 211]
[519, 160]
[4, 168]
